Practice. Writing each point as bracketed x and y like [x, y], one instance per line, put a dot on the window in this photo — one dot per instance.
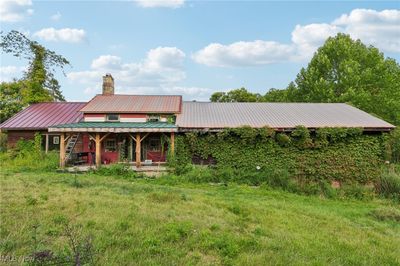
[110, 145]
[154, 144]
[112, 117]
[56, 140]
[153, 118]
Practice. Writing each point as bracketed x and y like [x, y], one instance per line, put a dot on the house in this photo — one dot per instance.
[141, 128]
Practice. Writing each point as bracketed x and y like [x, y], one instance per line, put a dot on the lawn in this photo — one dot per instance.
[161, 222]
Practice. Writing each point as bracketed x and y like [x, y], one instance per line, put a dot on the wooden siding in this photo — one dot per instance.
[141, 118]
[14, 136]
[94, 117]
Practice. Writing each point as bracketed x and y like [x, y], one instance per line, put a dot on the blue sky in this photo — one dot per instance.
[191, 48]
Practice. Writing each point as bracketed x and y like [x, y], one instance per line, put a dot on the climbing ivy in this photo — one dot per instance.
[325, 154]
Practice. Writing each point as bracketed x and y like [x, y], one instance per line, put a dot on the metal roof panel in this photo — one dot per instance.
[134, 104]
[44, 115]
[275, 115]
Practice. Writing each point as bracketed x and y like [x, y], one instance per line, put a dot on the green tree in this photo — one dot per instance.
[237, 95]
[10, 99]
[38, 83]
[346, 70]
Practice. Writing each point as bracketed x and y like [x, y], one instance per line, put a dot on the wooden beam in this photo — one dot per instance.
[172, 143]
[130, 135]
[105, 136]
[91, 137]
[98, 150]
[137, 149]
[47, 143]
[62, 150]
[144, 136]
[66, 138]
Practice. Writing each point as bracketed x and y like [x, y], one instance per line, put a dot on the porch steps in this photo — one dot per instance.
[70, 146]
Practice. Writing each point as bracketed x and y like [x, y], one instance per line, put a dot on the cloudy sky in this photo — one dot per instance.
[190, 48]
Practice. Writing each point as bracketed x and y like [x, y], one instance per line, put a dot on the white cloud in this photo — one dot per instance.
[61, 35]
[7, 73]
[243, 53]
[106, 62]
[378, 28]
[160, 3]
[381, 29]
[56, 16]
[159, 73]
[306, 39]
[15, 10]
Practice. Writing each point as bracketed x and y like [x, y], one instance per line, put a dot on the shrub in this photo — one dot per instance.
[279, 178]
[388, 185]
[356, 191]
[200, 174]
[28, 156]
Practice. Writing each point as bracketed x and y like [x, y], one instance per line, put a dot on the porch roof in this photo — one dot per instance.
[115, 127]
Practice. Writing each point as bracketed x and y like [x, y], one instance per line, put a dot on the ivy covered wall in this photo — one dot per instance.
[346, 155]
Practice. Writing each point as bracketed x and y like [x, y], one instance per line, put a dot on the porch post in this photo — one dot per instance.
[47, 143]
[172, 143]
[138, 150]
[98, 150]
[62, 150]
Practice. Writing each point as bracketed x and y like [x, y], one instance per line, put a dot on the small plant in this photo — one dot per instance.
[117, 170]
[388, 185]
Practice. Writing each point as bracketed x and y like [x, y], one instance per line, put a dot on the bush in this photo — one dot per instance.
[28, 156]
[388, 185]
[356, 191]
[199, 174]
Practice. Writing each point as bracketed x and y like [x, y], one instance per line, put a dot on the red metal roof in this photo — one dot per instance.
[134, 104]
[43, 115]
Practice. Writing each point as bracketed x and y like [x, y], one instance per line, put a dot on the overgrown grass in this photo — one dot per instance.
[18, 162]
[124, 221]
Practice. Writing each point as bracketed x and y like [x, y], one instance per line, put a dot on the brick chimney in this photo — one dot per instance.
[108, 84]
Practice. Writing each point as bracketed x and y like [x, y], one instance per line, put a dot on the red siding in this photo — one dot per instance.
[106, 157]
[14, 136]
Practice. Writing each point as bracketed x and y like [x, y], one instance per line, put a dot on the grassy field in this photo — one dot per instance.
[161, 222]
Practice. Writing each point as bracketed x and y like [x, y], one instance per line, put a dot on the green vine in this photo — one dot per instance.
[164, 140]
[344, 154]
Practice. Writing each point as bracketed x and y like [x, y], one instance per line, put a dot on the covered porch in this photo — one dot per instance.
[97, 143]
